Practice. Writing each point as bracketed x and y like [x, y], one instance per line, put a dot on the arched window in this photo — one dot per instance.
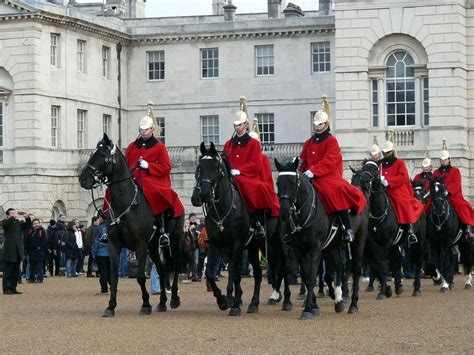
[400, 90]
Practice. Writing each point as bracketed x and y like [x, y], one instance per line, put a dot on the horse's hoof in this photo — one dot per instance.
[301, 296]
[287, 306]
[399, 290]
[108, 313]
[381, 297]
[369, 289]
[222, 303]
[234, 312]
[315, 311]
[252, 308]
[339, 307]
[451, 285]
[388, 292]
[175, 302]
[353, 310]
[467, 286]
[416, 293]
[272, 302]
[161, 307]
[444, 289]
[145, 311]
[306, 316]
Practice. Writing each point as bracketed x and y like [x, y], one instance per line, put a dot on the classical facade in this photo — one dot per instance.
[69, 72]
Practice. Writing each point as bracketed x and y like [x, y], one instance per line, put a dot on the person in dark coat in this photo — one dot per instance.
[53, 258]
[59, 245]
[36, 242]
[14, 227]
[100, 251]
[71, 250]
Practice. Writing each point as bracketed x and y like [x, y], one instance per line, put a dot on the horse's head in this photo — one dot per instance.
[100, 165]
[210, 170]
[356, 174]
[419, 190]
[439, 196]
[370, 178]
[288, 184]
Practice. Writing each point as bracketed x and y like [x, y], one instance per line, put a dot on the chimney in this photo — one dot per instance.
[218, 7]
[229, 11]
[325, 7]
[293, 10]
[135, 8]
[275, 8]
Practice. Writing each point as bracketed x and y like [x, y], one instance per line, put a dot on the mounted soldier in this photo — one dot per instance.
[425, 178]
[452, 181]
[321, 161]
[149, 160]
[244, 156]
[394, 176]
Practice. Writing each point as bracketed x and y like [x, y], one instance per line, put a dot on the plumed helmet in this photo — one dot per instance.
[375, 148]
[388, 145]
[426, 163]
[444, 151]
[146, 122]
[254, 135]
[323, 115]
[241, 115]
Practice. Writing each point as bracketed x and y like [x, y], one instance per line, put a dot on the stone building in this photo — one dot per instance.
[60, 84]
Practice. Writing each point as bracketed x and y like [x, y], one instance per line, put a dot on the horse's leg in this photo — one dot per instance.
[237, 255]
[230, 284]
[160, 268]
[212, 254]
[257, 276]
[338, 266]
[416, 256]
[274, 271]
[307, 261]
[465, 249]
[176, 225]
[396, 262]
[141, 279]
[445, 262]
[114, 257]
[355, 267]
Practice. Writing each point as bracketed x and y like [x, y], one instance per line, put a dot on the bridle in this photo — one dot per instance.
[445, 211]
[214, 183]
[295, 212]
[370, 191]
[101, 179]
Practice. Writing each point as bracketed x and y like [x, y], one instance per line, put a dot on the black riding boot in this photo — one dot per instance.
[160, 225]
[411, 237]
[347, 232]
[257, 224]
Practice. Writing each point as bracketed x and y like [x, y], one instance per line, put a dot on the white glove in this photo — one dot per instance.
[309, 174]
[383, 180]
[234, 172]
[143, 164]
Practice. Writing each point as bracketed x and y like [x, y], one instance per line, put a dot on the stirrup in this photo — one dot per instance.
[259, 231]
[348, 236]
[164, 240]
[412, 239]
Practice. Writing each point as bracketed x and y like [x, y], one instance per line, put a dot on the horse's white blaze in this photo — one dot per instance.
[113, 150]
[444, 284]
[438, 275]
[436, 188]
[468, 279]
[275, 295]
[338, 294]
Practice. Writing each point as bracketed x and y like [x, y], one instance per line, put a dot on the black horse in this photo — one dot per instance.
[385, 237]
[310, 230]
[228, 226]
[444, 234]
[130, 225]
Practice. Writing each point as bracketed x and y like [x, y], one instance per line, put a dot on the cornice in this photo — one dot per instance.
[68, 22]
[141, 39]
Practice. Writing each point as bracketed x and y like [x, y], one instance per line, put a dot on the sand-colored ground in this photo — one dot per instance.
[64, 316]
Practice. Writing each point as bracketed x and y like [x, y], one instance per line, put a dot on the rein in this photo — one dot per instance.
[294, 211]
[370, 192]
[439, 226]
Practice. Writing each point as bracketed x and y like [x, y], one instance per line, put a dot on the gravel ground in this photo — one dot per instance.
[64, 316]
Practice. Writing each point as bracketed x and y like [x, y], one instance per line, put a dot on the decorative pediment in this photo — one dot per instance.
[10, 7]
